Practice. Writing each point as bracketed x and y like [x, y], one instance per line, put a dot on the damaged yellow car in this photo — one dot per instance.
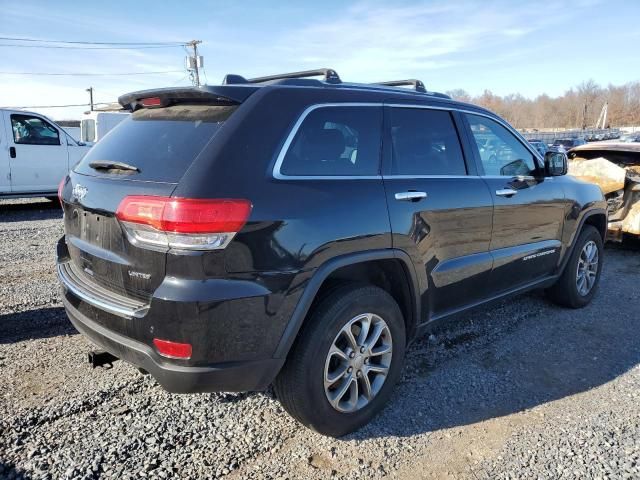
[615, 167]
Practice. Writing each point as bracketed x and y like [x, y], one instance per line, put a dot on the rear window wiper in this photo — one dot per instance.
[110, 165]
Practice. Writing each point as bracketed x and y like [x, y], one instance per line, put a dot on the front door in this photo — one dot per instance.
[528, 208]
[5, 170]
[37, 153]
[440, 209]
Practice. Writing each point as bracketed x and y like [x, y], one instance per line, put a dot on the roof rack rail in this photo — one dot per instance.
[330, 76]
[416, 84]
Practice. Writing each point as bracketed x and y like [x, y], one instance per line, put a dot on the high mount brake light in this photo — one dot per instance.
[182, 223]
[151, 102]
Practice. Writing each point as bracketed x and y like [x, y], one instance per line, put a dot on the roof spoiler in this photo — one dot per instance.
[162, 97]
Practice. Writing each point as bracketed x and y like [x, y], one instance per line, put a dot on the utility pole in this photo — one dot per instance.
[195, 62]
[90, 90]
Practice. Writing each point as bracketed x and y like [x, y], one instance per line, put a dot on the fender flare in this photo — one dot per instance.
[322, 273]
[581, 223]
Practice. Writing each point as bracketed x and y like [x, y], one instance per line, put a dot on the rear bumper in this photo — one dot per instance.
[228, 377]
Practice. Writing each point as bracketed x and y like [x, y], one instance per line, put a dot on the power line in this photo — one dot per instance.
[60, 106]
[91, 74]
[22, 39]
[87, 48]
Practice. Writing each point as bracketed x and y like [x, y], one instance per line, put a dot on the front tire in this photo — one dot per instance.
[341, 371]
[579, 281]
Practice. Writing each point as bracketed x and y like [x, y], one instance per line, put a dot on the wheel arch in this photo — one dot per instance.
[597, 218]
[389, 261]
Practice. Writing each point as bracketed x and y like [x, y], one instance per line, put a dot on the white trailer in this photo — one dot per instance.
[95, 125]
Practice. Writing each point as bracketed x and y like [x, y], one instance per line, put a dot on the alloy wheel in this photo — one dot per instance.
[587, 268]
[358, 362]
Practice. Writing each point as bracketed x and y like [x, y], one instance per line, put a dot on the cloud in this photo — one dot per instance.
[472, 44]
[369, 43]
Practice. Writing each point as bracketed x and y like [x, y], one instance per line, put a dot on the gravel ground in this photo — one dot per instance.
[521, 389]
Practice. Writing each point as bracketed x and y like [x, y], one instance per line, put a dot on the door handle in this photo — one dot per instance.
[12, 152]
[411, 196]
[506, 192]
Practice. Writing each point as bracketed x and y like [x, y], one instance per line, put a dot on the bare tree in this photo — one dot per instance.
[579, 107]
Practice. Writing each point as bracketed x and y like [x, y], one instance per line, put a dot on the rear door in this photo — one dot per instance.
[529, 208]
[37, 152]
[440, 209]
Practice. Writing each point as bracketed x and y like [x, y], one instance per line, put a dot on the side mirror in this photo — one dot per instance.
[555, 164]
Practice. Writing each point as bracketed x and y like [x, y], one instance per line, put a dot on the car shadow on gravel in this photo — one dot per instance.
[9, 471]
[32, 210]
[34, 324]
[548, 354]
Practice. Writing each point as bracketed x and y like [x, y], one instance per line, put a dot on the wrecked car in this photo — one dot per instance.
[615, 168]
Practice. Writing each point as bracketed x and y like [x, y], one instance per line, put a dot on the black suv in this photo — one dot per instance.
[301, 232]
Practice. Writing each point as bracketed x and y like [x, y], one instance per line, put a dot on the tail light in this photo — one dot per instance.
[170, 349]
[60, 187]
[161, 223]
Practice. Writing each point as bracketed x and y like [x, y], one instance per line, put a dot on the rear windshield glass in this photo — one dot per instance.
[160, 142]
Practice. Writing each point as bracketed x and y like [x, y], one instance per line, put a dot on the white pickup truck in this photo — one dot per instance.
[35, 154]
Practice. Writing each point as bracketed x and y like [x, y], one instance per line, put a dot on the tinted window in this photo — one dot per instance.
[336, 141]
[425, 142]
[161, 142]
[30, 130]
[500, 151]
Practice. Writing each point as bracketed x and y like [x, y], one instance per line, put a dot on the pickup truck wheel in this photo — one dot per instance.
[345, 362]
[579, 281]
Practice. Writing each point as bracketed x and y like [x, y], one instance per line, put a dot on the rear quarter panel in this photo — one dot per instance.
[295, 224]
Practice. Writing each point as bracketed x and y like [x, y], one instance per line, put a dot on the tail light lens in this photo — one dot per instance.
[170, 349]
[60, 187]
[182, 223]
[151, 102]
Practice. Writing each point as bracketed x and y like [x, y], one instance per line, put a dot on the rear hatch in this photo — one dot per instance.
[146, 154]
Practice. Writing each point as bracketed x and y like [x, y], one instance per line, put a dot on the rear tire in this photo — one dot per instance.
[318, 364]
[569, 290]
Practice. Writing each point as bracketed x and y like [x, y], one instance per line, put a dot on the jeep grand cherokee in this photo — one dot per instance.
[300, 232]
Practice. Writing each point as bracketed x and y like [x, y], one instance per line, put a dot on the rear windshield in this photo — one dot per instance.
[160, 142]
[564, 143]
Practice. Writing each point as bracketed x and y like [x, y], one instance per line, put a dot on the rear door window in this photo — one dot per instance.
[425, 142]
[160, 142]
[336, 141]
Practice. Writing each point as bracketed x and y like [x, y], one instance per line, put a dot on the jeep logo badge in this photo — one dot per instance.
[79, 191]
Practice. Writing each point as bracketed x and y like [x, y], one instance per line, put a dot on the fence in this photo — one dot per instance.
[589, 134]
